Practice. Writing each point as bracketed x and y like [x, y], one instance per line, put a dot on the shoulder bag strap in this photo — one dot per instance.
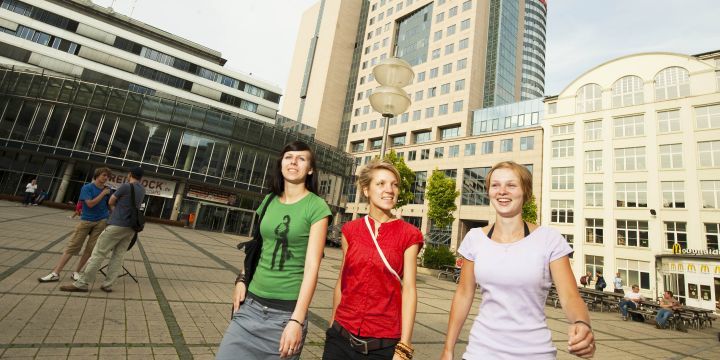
[262, 213]
[132, 197]
[382, 256]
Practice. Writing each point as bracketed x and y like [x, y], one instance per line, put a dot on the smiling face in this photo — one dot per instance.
[102, 178]
[506, 194]
[383, 190]
[295, 166]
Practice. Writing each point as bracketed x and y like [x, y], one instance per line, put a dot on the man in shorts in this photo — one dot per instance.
[94, 197]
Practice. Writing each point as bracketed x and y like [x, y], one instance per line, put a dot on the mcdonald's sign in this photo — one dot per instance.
[704, 268]
[691, 267]
[717, 269]
[681, 267]
[676, 249]
[673, 266]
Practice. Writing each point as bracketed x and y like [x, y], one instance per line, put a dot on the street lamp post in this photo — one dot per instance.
[389, 99]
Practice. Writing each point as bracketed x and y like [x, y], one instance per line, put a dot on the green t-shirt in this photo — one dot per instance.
[285, 230]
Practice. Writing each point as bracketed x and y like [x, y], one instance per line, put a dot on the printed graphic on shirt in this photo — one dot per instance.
[281, 242]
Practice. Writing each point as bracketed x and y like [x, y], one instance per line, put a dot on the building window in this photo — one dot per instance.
[461, 64]
[672, 83]
[422, 137]
[630, 159]
[631, 194]
[429, 112]
[632, 233]
[710, 190]
[676, 233]
[707, 117]
[563, 178]
[439, 152]
[457, 106]
[450, 132]
[594, 195]
[593, 130]
[564, 129]
[363, 126]
[629, 126]
[562, 211]
[447, 68]
[712, 233]
[418, 187]
[506, 145]
[398, 140]
[444, 88]
[634, 272]
[412, 155]
[454, 151]
[453, 11]
[570, 240]
[473, 190]
[469, 149]
[463, 44]
[443, 109]
[594, 264]
[673, 194]
[451, 30]
[527, 143]
[432, 92]
[594, 231]
[627, 91]
[357, 146]
[593, 161]
[421, 76]
[433, 73]
[563, 148]
[405, 117]
[671, 156]
[354, 128]
[418, 95]
[465, 24]
[424, 154]
[413, 35]
[373, 124]
[709, 154]
[552, 108]
[437, 36]
[440, 17]
[435, 55]
[487, 147]
[460, 85]
[588, 98]
[417, 115]
[375, 143]
[668, 121]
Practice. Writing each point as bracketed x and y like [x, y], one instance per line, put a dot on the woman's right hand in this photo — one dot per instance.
[239, 295]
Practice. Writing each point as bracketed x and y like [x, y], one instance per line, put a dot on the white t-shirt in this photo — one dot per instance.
[633, 296]
[30, 188]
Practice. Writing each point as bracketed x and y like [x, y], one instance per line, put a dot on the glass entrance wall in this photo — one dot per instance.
[165, 136]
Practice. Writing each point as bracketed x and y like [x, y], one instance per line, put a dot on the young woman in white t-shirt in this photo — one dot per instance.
[515, 264]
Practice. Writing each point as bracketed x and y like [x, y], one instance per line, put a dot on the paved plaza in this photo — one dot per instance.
[180, 306]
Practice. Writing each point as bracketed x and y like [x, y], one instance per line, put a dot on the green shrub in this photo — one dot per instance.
[434, 257]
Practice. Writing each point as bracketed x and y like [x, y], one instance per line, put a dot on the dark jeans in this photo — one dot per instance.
[625, 304]
[338, 348]
[28, 198]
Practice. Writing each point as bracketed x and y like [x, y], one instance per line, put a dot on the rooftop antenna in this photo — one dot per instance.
[132, 9]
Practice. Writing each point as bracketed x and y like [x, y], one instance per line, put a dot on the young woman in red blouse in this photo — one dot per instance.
[375, 297]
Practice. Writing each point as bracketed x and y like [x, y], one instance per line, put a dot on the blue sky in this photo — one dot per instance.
[258, 36]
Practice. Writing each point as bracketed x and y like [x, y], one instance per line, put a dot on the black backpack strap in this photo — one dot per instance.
[525, 226]
[135, 209]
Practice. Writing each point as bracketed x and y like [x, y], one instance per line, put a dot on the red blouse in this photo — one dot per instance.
[371, 303]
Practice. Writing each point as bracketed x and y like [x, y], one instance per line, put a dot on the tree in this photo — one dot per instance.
[441, 195]
[529, 211]
[407, 178]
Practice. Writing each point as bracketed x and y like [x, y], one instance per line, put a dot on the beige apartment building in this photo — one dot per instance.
[632, 172]
[467, 55]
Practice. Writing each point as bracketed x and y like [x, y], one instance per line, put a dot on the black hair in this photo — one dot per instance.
[311, 181]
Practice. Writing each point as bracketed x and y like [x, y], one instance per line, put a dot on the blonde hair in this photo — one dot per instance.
[522, 173]
[365, 175]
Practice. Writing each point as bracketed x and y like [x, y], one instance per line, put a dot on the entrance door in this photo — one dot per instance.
[239, 222]
[211, 217]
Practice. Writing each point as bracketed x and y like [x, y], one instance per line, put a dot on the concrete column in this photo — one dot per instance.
[179, 191]
[65, 182]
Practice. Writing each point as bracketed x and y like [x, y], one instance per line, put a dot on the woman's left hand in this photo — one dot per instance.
[581, 341]
[291, 339]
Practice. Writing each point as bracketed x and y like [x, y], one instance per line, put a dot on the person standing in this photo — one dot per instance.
[515, 264]
[600, 283]
[270, 308]
[375, 296]
[618, 284]
[94, 199]
[30, 189]
[116, 237]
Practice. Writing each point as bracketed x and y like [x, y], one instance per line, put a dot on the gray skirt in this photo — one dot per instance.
[254, 333]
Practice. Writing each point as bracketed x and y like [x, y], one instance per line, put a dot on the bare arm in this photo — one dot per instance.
[292, 335]
[409, 293]
[461, 304]
[581, 341]
[112, 202]
[92, 202]
[337, 293]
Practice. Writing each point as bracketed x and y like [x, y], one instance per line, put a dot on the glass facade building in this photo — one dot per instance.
[58, 129]
[519, 115]
[533, 61]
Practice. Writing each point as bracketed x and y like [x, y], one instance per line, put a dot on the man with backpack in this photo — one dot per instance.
[124, 223]
[586, 279]
[600, 283]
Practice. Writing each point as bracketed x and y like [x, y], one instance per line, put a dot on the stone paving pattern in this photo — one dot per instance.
[180, 306]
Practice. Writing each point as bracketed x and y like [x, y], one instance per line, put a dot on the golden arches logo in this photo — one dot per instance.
[681, 267]
[704, 268]
[717, 269]
[691, 267]
[676, 249]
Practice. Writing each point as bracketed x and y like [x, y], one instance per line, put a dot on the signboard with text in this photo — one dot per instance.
[212, 195]
[153, 186]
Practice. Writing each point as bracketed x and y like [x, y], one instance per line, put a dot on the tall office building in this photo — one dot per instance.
[467, 55]
[632, 167]
[82, 86]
